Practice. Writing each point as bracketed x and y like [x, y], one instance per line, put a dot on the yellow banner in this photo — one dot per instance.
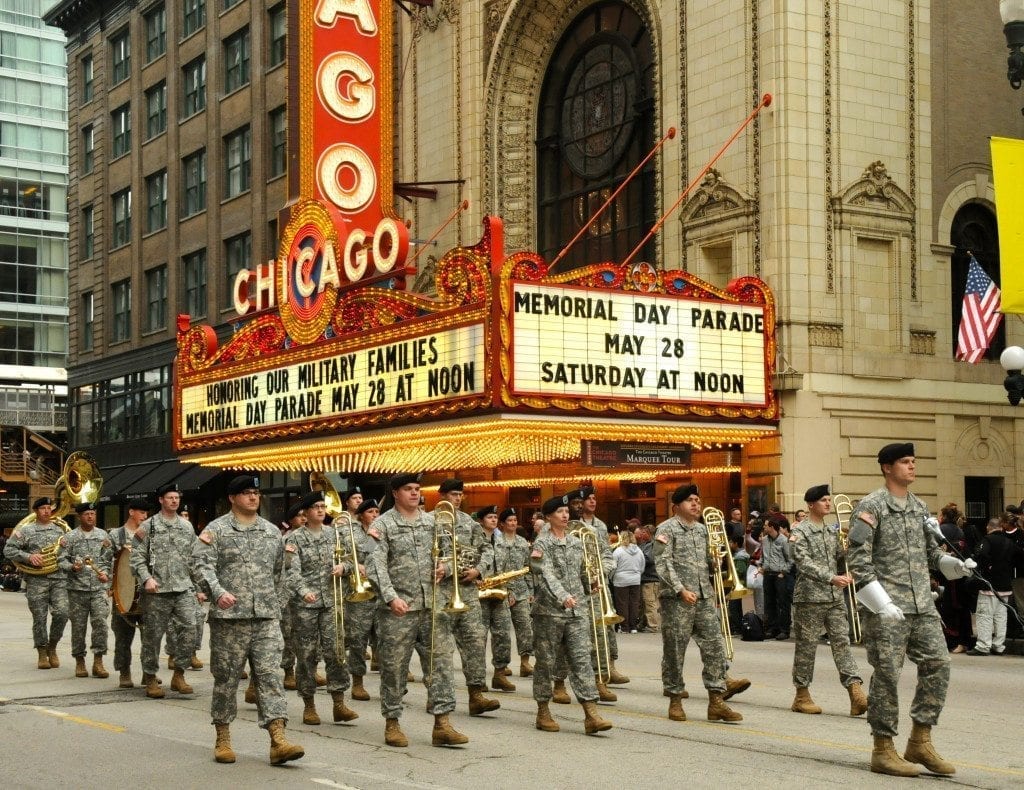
[1008, 179]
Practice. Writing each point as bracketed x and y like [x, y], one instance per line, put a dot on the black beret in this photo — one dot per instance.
[814, 493]
[243, 483]
[84, 506]
[293, 511]
[138, 504]
[367, 504]
[554, 503]
[684, 492]
[507, 513]
[891, 453]
[311, 499]
[403, 480]
[576, 493]
[451, 484]
[43, 500]
[489, 510]
[586, 491]
[169, 488]
[351, 493]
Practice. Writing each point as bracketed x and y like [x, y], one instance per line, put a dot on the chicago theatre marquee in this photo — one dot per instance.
[512, 376]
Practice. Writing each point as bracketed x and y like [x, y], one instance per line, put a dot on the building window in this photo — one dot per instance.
[120, 58]
[193, 179]
[88, 232]
[88, 321]
[156, 299]
[238, 254]
[121, 130]
[156, 110]
[278, 30]
[193, 87]
[156, 201]
[194, 16]
[230, 3]
[272, 240]
[974, 231]
[87, 79]
[195, 283]
[88, 148]
[156, 33]
[236, 60]
[122, 229]
[122, 298]
[278, 139]
[238, 162]
[595, 124]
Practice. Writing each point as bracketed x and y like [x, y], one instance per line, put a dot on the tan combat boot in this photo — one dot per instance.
[803, 702]
[603, 692]
[718, 710]
[375, 664]
[125, 681]
[683, 695]
[858, 702]
[675, 708]
[592, 721]
[80, 670]
[920, 750]
[321, 679]
[44, 659]
[244, 675]
[444, 734]
[171, 663]
[499, 683]
[544, 720]
[289, 679]
[733, 686]
[525, 670]
[309, 714]
[359, 691]
[98, 670]
[195, 662]
[179, 684]
[152, 683]
[504, 671]
[51, 653]
[222, 751]
[281, 751]
[341, 711]
[558, 693]
[884, 759]
[615, 677]
[478, 703]
[250, 691]
[393, 735]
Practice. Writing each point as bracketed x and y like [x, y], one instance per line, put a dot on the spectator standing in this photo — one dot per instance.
[741, 560]
[776, 567]
[955, 604]
[996, 556]
[734, 526]
[649, 580]
[1011, 526]
[629, 568]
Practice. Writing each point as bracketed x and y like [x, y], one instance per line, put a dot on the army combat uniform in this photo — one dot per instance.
[47, 596]
[123, 628]
[88, 602]
[515, 609]
[359, 615]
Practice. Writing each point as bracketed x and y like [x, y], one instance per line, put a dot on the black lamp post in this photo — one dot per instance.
[1012, 360]
[1012, 12]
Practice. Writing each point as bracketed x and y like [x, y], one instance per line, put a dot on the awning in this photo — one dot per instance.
[145, 479]
[196, 475]
[117, 479]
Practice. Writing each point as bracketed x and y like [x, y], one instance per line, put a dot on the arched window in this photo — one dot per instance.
[595, 126]
[974, 232]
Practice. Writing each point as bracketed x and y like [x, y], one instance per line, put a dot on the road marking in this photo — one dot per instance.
[330, 783]
[100, 725]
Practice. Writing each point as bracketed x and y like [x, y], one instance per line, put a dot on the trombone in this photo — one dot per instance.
[844, 509]
[362, 590]
[606, 615]
[332, 502]
[722, 578]
[444, 525]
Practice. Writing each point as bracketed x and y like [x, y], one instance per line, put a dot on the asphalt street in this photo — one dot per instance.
[59, 731]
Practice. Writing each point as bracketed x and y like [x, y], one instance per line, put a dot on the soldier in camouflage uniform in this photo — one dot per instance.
[468, 628]
[561, 625]
[47, 595]
[311, 579]
[890, 552]
[294, 519]
[239, 558]
[198, 599]
[123, 628]
[688, 608]
[351, 500]
[494, 611]
[160, 559]
[406, 574]
[819, 603]
[85, 556]
[511, 552]
[361, 615]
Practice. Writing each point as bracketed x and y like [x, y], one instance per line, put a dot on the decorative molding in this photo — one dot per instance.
[684, 132]
[912, 137]
[876, 192]
[825, 335]
[982, 451]
[494, 13]
[753, 55]
[714, 199]
[427, 19]
[922, 341]
[830, 231]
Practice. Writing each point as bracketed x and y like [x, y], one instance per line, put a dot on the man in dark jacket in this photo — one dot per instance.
[996, 556]
[649, 581]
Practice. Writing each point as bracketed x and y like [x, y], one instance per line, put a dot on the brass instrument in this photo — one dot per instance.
[844, 509]
[493, 587]
[88, 563]
[333, 504]
[444, 524]
[606, 615]
[723, 578]
[361, 590]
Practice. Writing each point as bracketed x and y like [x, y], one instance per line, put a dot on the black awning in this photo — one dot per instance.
[118, 479]
[164, 472]
[196, 475]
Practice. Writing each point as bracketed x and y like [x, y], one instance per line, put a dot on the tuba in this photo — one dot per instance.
[723, 577]
[844, 509]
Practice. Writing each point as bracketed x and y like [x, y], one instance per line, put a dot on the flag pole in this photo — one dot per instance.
[462, 207]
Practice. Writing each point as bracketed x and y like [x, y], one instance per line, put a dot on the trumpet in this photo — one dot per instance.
[844, 509]
[602, 613]
[444, 524]
[718, 550]
[332, 502]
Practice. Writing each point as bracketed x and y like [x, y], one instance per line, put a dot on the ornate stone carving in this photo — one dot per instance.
[714, 198]
[494, 12]
[825, 335]
[428, 19]
[875, 190]
[922, 341]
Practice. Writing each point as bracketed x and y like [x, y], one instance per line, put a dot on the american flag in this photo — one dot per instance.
[981, 314]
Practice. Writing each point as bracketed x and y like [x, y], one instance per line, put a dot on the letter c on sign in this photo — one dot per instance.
[345, 159]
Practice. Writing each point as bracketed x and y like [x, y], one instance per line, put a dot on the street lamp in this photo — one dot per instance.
[1012, 12]
[1012, 360]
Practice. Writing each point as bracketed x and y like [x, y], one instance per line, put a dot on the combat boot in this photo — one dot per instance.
[222, 751]
[153, 690]
[393, 735]
[544, 720]
[321, 679]
[309, 714]
[920, 750]
[44, 659]
[884, 759]
[281, 751]
[718, 710]
[504, 671]
[675, 708]
[341, 711]
[359, 691]
[499, 683]
[684, 694]
[803, 702]
[603, 692]
[374, 663]
[289, 679]
[171, 663]
[250, 691]
[858, 702]
[80, 670]
[125, 681]
[179, 684]
[244, 675]
[478, 703]
[558, 693]
[51, 653]
[733, 686]
[195, 662]
[615, 677]
[98, 670]
[525, 670]
[446, 735]
[592, 721]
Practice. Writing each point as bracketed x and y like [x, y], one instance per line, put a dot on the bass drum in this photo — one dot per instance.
[127, 592]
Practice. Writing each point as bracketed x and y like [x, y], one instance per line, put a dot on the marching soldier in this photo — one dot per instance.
[161, 559]
[404, 571]
[819, 603]
[360, 616]
[46, 594]
[240, 559]
[512, 552]
[474, 553]
[310, 579]
[688, 609]
[294, 519]
[124, 630]
[351, 500]
[890, 553]
[85, 555]
[198, 599]
[561, 623]
[494, 612]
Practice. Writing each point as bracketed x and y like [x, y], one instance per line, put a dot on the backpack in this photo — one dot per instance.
[753, 628]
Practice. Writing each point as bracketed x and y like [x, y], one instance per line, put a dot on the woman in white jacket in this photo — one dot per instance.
[629, 567]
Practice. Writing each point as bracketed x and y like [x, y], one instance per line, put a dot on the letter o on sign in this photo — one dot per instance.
[342, 163]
